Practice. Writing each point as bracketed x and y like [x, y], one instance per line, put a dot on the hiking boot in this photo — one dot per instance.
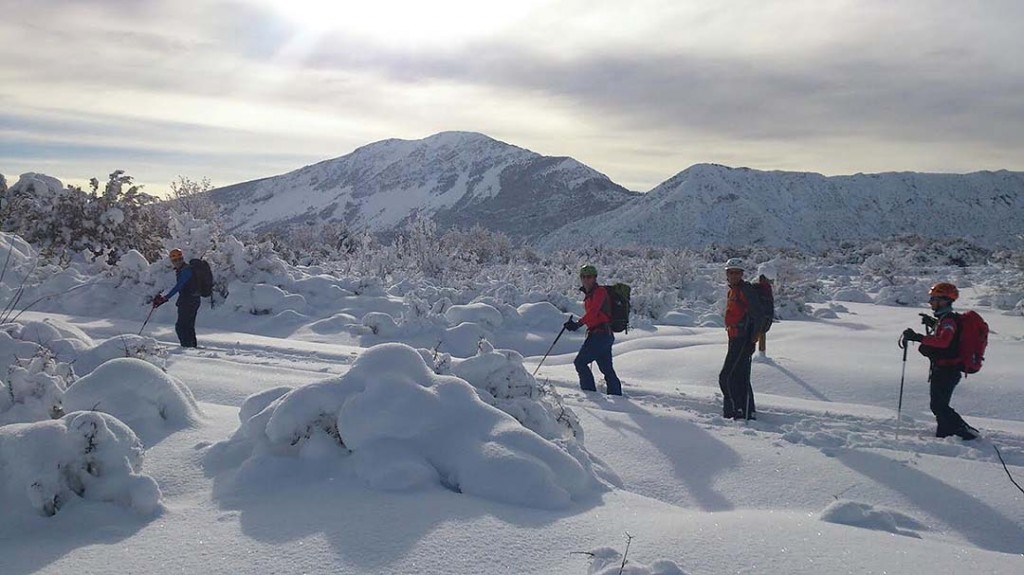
[967, 433]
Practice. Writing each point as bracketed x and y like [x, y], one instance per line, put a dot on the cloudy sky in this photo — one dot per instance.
[235, 90]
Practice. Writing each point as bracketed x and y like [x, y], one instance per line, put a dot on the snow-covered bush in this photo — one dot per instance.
[139, 394]
[401, 426]
[479, 313]
[33, 381]
[47, 465]
[263, 299]
[511, 388]
[65, 221]
[121, 346]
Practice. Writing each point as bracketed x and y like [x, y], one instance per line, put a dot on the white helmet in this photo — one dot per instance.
[734, 264]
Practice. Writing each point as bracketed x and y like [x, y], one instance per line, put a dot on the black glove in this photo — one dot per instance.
[928, 321]
[911, 335]
[159, 300]
[571, 325]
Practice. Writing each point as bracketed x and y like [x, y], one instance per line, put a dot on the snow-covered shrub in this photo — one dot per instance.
[65, 221]
[902, 295]
[678, 318]
[479, 313]
[851, 294]
[145, 398]
[32, 382]
[47, 465]
[263, 299]
[405, 427]
[126, 345]
[541, 315]
[511, 388]
[196, 237]
[380, 324]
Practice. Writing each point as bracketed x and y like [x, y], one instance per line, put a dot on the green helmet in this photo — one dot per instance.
[588, 270]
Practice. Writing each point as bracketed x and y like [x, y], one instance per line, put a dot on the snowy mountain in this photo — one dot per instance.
[458, 178]
[709, 203]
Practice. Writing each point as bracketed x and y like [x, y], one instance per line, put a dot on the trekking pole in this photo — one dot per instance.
[549, 349]
[902, 342]
[149, 315]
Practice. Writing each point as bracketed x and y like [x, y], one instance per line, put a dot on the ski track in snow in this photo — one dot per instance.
[829, 430]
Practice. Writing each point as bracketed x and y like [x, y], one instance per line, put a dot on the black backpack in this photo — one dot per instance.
[618, 298]
[763, 287]
[204, 277]
[761, 310]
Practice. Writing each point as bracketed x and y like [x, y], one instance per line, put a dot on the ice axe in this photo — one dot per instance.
[549, 349]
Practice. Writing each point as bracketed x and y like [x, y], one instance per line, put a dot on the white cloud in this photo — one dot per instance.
[639, 91]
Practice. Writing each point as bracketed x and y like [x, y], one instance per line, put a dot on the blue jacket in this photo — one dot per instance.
[184, 288]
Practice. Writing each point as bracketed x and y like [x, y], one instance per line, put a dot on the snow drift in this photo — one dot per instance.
[404, 427]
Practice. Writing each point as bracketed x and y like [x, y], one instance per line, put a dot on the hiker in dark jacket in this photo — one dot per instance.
[942, 352]
[743, 323]
[188, 299]
[597, 347]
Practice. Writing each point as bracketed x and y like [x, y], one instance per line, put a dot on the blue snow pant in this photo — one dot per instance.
[188, 307]
[734, 379]
[597, 347]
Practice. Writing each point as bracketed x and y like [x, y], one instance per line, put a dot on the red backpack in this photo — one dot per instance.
[973, 340]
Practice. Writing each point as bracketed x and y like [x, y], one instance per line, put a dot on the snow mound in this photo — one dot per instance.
[263, 299]
[608, 561]
[478, 313]
[121, 346]
[145, 398]
[851, 295]
[401, 427]
[871, 517]
[541, 315]
[680, 318]
[47, 465]
[66, 341]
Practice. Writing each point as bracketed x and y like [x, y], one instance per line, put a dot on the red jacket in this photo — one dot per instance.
[940, 347]
[597, 309]
[736, 308]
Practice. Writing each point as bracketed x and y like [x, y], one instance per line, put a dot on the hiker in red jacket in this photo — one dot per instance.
[597, 347]
[744, 320]
[941, 349]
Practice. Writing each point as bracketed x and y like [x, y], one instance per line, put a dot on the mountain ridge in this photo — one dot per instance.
[462, 179]
[457, 178]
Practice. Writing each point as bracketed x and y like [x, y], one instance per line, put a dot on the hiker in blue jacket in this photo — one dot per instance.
[188, 299]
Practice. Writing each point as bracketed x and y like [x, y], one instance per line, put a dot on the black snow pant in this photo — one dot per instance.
[597, 347]
[188, 307]
[943, 380]
[734, 380]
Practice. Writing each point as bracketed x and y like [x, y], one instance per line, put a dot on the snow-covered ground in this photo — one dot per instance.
[332, 426]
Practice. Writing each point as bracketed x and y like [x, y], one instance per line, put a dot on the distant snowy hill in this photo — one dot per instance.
[457, 178]
[709, 203]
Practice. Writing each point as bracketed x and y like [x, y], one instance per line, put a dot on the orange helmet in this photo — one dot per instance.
[176, 255]
[944, 289]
